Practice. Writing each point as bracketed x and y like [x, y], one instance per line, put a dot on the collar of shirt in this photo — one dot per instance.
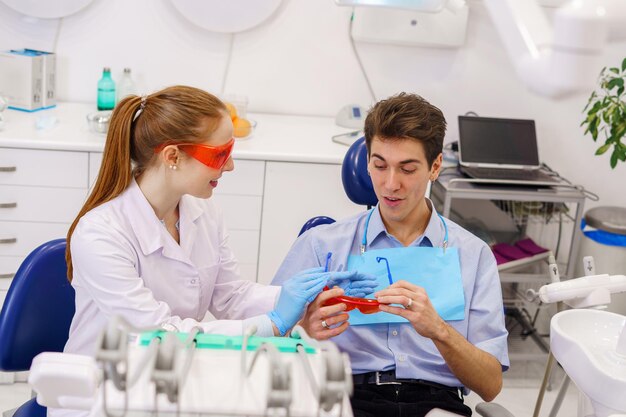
[147, 227]
[433, 235]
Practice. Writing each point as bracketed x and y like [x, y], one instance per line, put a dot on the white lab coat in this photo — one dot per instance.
[126, 263]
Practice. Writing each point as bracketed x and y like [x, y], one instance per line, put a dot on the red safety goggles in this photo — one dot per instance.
[212, 156]
[364, 305]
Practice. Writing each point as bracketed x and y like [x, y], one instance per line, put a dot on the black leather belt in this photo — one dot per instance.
[389, 378]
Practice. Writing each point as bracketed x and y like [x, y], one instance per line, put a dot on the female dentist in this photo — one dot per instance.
[149, 245]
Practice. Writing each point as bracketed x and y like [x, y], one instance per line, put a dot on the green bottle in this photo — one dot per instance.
[106, 91]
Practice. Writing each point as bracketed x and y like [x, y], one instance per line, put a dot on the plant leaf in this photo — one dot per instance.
[602, 149]
[624, 65]
[615, 70]
[614, 158]
[615, 82]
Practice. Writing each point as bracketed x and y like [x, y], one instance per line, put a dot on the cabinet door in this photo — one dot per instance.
[95, 159]
[294, 193]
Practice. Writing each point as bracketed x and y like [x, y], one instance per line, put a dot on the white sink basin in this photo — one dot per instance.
[585, 343]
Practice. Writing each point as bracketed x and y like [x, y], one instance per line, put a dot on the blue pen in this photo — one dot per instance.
[328, 256]
[380, 258]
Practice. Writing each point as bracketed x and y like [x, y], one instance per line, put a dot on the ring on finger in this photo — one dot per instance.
[325, 325]
[409, 303]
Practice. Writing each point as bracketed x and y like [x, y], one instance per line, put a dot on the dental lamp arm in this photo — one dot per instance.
[566, 58]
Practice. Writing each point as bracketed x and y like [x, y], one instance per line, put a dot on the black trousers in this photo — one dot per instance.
[406, 400]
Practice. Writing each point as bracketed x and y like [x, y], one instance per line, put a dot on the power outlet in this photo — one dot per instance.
[402, 27]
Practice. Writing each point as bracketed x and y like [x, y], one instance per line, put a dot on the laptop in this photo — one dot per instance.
[501, 151]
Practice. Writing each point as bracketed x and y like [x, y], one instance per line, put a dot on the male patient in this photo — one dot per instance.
[409, 368]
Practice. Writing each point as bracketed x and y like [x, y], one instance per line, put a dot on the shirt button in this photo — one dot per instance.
[395, 333]
[402, 358]
[193, 281]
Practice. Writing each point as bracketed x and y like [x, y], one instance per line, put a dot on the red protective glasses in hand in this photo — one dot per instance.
[212, 156]
[364, 305]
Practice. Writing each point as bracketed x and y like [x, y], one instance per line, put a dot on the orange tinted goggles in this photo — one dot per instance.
[364, 305]
[212, 156]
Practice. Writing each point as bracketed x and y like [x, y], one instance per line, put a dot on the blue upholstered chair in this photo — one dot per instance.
[36, 314]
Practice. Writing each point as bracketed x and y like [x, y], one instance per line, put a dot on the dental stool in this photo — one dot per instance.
[36, 314]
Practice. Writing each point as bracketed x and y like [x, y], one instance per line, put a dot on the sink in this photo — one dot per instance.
[587, 344]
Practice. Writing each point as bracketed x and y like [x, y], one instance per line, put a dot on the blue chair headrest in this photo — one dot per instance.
[356, 182]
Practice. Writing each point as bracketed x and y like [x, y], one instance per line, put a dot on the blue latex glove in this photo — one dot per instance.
[353, 283]
[296, 292]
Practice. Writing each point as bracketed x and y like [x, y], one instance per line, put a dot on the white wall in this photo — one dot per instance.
[301, 62]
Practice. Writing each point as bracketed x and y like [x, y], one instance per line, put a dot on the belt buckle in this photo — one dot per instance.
[385, 383]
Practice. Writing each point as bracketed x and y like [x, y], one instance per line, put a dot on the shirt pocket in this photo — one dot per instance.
[207, 278]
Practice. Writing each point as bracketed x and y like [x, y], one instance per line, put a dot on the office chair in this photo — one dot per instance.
[359, 189]
[36, 314]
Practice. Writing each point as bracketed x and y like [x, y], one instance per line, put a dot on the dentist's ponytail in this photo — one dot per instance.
[139, 125]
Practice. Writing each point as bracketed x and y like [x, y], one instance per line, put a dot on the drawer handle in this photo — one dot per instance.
[9, 275]
[8, 169]
[8, 205]
[9, 240]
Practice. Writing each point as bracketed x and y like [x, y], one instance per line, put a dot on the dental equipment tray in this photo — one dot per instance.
[221, 342]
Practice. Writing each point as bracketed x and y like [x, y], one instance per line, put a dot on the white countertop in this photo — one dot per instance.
[276, 137]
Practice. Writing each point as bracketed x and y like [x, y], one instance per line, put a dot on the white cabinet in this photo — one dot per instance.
[294, 193]
[95, 160]
[239, 195]
[40, 193]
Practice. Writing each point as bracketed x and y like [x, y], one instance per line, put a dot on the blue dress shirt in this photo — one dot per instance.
[381, 347]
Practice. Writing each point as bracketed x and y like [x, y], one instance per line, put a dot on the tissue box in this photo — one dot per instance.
[21, 80]
[49, 77]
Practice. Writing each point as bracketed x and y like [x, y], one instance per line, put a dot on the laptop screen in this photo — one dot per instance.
[486, 140]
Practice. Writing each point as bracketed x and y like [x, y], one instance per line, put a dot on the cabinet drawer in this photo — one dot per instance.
[9, 266]
[240, 212]
[43, 168]
[40, 204]
[245, 179]
[20, 238]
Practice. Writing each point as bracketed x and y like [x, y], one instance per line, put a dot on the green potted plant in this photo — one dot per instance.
[606, 113]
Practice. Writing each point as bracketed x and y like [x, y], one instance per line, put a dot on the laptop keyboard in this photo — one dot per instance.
[509, 174]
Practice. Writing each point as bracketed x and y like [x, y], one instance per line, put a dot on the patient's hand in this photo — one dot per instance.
[316, 312]
[418, 309]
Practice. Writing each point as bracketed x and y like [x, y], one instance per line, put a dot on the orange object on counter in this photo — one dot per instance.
[241, 127]
[364, 305]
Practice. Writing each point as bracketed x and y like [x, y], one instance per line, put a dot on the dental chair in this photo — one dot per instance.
[36, 314]
[359, 189]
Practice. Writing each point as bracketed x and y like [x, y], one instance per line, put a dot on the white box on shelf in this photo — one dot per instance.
[49, 77]
[21, 80]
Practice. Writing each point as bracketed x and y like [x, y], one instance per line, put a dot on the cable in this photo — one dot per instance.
[228, 59]
[56, 36]
[590, 195]
[358, 59]
[471, 113]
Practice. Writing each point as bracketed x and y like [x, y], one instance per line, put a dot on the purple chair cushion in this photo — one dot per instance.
[509, 251]
[530, 247]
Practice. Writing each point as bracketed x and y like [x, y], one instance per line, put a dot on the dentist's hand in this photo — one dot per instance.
[295, 293]
[353, 283]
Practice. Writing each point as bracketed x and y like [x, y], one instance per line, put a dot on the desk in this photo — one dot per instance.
[451, 187]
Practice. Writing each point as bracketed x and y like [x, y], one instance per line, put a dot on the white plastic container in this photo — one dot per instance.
[604, 230]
